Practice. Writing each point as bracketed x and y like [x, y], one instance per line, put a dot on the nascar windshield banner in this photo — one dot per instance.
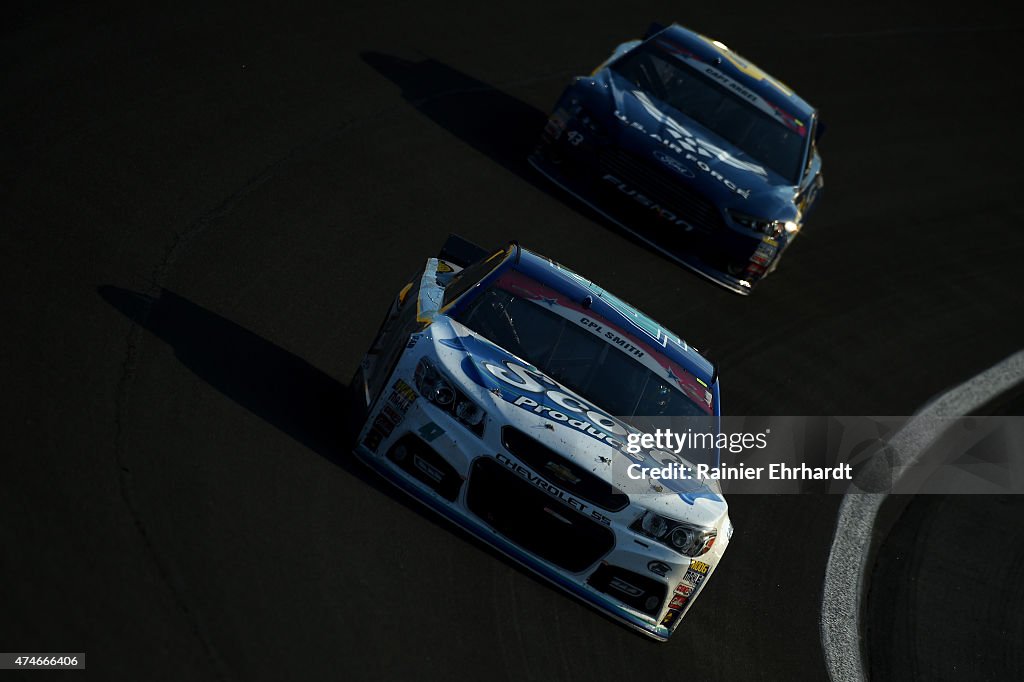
[641, 342]
[701, 66]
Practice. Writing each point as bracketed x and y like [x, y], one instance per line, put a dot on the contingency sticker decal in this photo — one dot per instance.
[402, 396]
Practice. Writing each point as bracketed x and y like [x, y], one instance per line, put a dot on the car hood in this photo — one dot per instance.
[646, 126]
[591, 439]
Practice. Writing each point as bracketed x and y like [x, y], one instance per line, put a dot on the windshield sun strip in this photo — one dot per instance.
[794, 155]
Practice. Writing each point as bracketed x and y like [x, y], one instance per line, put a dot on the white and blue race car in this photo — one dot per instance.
[507, 393]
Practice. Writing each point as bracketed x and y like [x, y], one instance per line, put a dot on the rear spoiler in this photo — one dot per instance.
[460, 251]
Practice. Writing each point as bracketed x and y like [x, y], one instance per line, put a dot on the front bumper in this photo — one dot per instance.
[706, 250]
[465, 460]
[541, 568]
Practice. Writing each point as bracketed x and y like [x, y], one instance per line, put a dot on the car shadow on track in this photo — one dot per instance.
[274, 384]
[493, 122]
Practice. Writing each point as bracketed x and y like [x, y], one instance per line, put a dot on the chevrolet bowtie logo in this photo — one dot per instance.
[562, 472]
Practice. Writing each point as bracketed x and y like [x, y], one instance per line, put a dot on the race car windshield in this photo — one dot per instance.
[586, 363]
[716, 107]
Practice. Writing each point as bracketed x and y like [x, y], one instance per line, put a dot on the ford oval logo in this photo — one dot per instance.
[674, 164]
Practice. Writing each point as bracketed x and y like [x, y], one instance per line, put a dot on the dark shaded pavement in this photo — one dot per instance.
[173, 500]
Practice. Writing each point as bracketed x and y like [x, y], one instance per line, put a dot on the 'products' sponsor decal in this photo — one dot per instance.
[531, 390]
[547, 398]
[498, 372]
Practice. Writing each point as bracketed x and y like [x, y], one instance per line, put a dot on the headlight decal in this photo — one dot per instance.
[772, 228]
[685, 538]
[441, 391]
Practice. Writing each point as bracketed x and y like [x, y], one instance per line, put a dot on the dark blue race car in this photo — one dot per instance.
[689, 146]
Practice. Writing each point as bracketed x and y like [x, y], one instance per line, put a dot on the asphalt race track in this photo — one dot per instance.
[205, 212]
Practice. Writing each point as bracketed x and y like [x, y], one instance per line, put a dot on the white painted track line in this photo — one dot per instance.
[844, 574]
